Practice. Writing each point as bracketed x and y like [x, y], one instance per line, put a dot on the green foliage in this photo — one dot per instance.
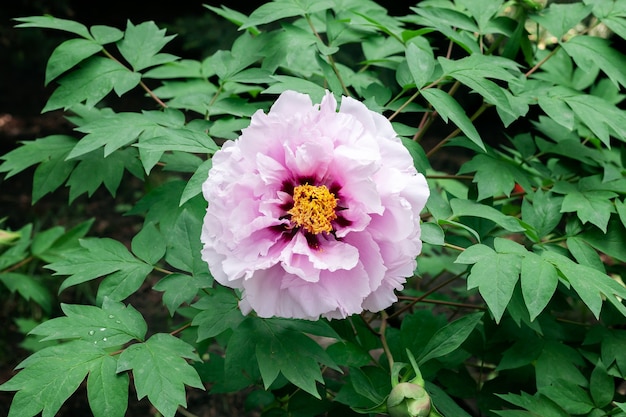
[513, 111]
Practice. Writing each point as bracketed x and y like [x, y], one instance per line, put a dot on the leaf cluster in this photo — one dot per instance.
[512, 109]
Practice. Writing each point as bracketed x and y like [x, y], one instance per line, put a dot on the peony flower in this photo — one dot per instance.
[313, 211]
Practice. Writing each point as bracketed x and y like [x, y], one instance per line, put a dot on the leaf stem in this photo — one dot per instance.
[383, 339]
[426, 294]
[331, 61]
[445, 140]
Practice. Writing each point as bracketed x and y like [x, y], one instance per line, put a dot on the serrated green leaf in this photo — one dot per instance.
[179, 289]
[590, 206]
[421, 61]
[481, 10]
[68, 54]
[461, 207]
[148, 244]
[590, 284]
[286, 82]
[420, 160]
[94, 170]
[559, 18]
[161, 372]
[539, 280]
[112, 325]
[112, 133]
[184, 140]
[183, 244]
[601, 385]
[538, 405]
[495, 279]
[28, 287]
[34, 152]
[107, 391]
[142, 43]
[600, 116]
[50, 175]
[544, 213]
[97, 258]
[449, 108]
[50, 376]
[449, 338]
[571, 397]
[280, 9]
[590, 52]
[220, 311]
[490, 185]
[91, 82]
[49, 22]
[612, 243]
[194, 185]
[584, 254]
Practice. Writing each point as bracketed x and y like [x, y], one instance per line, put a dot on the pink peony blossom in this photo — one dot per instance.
[313, 211]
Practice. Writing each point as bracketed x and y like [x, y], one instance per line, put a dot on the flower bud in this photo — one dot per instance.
[408, 400]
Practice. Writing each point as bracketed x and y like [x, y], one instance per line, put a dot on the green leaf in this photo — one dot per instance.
[28, 287]
[601, 385]
[475, 253]
[559, 18]
[107, 391]
[112, 325]
[600, 116]
[462, 207]
[590, 52]
[590, 284]
[286, 82]
[106, 34]
[584, 254]
[544, 213]
[50, 376]
[449, 338]
[97, 258]
[179, 289]
[539, 280]
[495, 278]
[185, 140]
[94, 170]
[148, 244]
[481, 10]
[184, 245]
[612, 243]
[280, 9]
[91, 82]
[111, 132]
[282, 347]
[421, 61]
[490, 185]
[569, 396]
[433, 234]
[194, 185]
[449, 108]
[220, 311]
[537, 405]
[141, 45]
[36, 151]
[590, 206]
[49, 22]
[161, 372]
[50, 175]
[69, 54]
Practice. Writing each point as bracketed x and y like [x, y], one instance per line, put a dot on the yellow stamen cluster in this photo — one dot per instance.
[313, 208]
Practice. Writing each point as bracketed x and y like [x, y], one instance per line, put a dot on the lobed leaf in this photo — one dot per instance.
[161, 372]
[141, 45]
